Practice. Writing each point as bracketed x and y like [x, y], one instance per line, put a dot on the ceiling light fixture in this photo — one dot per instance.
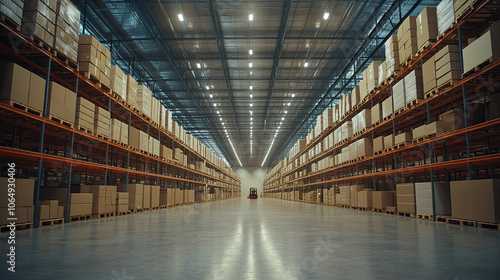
[250, 17]
[306, 64]
[181, 17]
[251, 104]
[293, 95]
[211, 96]
[220, 119]
[286, 112]
[207, 87]
[215, 105]
[289, 104]
[251, 95]
[251, 87]
[218, 113]
[250, 51]
[283, 118]
[326, 15]
[198, 65]
[250, 64]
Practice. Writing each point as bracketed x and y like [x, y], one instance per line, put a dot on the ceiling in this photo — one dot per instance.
[199, 68]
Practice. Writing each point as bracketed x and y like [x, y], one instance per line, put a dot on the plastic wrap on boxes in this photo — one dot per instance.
[392, 55]
[67, 27]
[372, 80]
[117, 82]
[355, 97]
[39, 19]
[364, 147]
[413, 84]
[382, 72]
[132, 92]
[13, 10]
[398, 94]
[445, 15]
[387, 108]
[144, 100]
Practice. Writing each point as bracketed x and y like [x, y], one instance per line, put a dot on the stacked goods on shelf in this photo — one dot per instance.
[188, 196]
[476, 200]
[62, 103]
[483, 48]
[118, 82]
[319, 124]
[155, 110]
[144, 97]
[67, 27]
[155, 197]
[21, 86]
[376, 114]
[364, 148]
[143, 141]
[167, 196]
[378, 144]
[99, 198]
[166, 153]
[355, 98]
[136, 194]
[427, 26]
[445, 15]
[146, 197]
[124, 131]
[94, 59]
[413, 84]
[462, 6]
[38, 21]
[399, 95]
[49, 209]
[361, 121]
[81, 203]
[423, 198]
[24, 201]
[354, 194]
[122, 202]
[134, 138]
[116, 127]
[454, 119]
[178, 156]
[373, 75]
[365, 199]
[363, 87]
[392, 56]
[382, 199]
[402, 138]
[447, 62]
[178, 197]
[132, 92]
[154, 146]
[85, 114]
[405, 196]
[407, 39]
[101, 122]
[111, 198]
[13, 10]
[387, 108]
[429, 75]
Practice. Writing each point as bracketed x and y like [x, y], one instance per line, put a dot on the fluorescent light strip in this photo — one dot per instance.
[234, 150]
[272, 143]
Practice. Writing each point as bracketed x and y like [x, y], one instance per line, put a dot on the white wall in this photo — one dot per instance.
[251, 177]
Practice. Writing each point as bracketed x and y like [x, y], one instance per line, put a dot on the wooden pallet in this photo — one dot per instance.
[467, 10]
[388, 149]
[390, 212]
[430, 93]
[387, 118]
[163, 206]
[81, 128]
[102, 136]
[403, 214]
[102, 215]
[425, 217]
[24, 108]
[136, 210]
[40, 43]
[378, 152]
[66, 60]
[95, 80]
[80, 218]
[412, 103]
[427, 45]
[485, 225]
[399, 111]
[446, 85]
[23, 226]
[155, 208]
[122, 213]
[378, 210]
[441, 219]
[461, 222]
[146, 209]
[61, 121]
[480, 66]
[364, 209]
[52, 222]
[7, 20]
[402, 145]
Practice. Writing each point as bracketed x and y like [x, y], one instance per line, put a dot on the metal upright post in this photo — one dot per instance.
[128, 150]
[394, 135]
[464, 97]
[68, 195]
[106, 159]
[36, 214]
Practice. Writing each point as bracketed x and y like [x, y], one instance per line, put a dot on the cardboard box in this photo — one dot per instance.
[402, 138]
[13, 84]
[44, 211]
[24, 192]
[365, 199]
[378, 144]
[52, 206]
[427, 26]
[382, 199]
[146, 203]
[433, 128]
[388, 141]
[405, 194]
[376, 114]
[80, 209]
[354, 195]
[155, 196]
[423, 198]
[477, 200]
[420, 131]
[483, 48]
[387, 108]
[60, 212]
[429, 75]
[23, 215]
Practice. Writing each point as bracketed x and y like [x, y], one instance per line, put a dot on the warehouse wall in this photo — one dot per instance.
[251, 177]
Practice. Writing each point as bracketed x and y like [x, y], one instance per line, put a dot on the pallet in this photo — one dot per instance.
[80, 218]
[377, 210]
[430, 94]
[412, 103]
[467, 11]
[136, 210]
[164, 206]
[7, 20]
[61, 121]
[24, 108]
[378, 152]
[480, 66]
[423, 138]
[388, 149]
[425, 217]
[95, 80]
[146, 209]
[52, 222]
[399, 111]
[81, 128]
[364, 209]
[402, 145]
[461, 222]
[441, 219]
[390, 212]
[122, 213]
[403, 214]
[446, 85]
[427, 45]
[68, 61]
[6, 228]
[103, 215]
[387, 118]
[102, 136]
[155, 208]
[485, 225]
[39, 42]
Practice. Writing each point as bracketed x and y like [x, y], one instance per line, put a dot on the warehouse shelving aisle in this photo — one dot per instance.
[257, 239]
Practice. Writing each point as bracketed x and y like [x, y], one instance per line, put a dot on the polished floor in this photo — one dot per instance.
[255, 239]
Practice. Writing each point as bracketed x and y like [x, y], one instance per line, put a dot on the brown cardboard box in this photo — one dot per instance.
[405, 194]
[419, 131]
[429, 75]
[378, 144]
[44, 211]
[80, 209]
[155, 196]
[23, 215]
[13, 85]
[402, 138]
[433, 128]
[388, 141]
[98, 191]
[483, 48]
[387, 108]
[99, 206]
[135, 201]
[81, 198]
[477, 200]
[146, 203]
[134, 137]
[354, 195]
[24, 192]
[382, 199]
[376, 114]
[179, 199]
[53, 207]
[365, 199]
[60, 212]
[427, 26]
[36, 92]
[122, 207]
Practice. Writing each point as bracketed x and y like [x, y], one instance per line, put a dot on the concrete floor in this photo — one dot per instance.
[257, 239]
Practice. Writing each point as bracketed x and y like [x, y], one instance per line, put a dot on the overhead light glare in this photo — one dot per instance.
[211, 96]
[207, 87]
[306, 64]
[326, 15]
[198, 65]
[250, 64]
[181, 17]
[250, 17]
[293, 95]
[215, 105]
[289, 104]
[251, 87]
[218, 113]
[250, 51]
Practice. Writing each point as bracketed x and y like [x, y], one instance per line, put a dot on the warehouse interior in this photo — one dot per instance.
[131, 133]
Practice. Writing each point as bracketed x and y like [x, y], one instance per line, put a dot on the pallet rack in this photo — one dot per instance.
[468, 153]
[57, 154]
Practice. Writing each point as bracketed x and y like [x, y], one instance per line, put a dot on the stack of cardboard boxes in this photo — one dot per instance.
[378, 144]
[136, 194]
[144, 102]
[62, 103]
[448, 66]
[118, 82]
[364, 148]
[111, 199]
[407, 39]
[413, 84]
[178, 197]
[116, 127]
[94, 59]
[155, 110]
[81, 203]
[67, 29]
[24, 201]
[427, 29]
[423, 198]
[354, 195]
[445, 15]
[155, 197]
[476, 200]
[382, 72]
[146, 198]
[132, 92]
[13, 10]
[429, 75]
[50, 210]
[392, 56]
[345, 195]
[399, 95]
[382, 199]
[482, 49]
[376, 114]
[21, 86]
[405, 197]
[102, 122]
[85, 114]
[98, 197]
[39, 20]
[373, 75]
[365, 199]
[122, 202]
[143, 141]
[387, 108]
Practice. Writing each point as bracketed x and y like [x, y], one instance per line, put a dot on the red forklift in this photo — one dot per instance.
[253, 193]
